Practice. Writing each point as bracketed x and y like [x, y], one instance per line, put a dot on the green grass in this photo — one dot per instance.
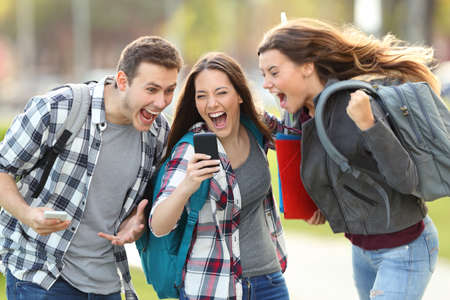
[144, 290]
[439, 211]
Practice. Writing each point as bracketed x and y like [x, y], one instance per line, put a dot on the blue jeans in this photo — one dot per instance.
[397, 273]
[264, 287]
[24, 290]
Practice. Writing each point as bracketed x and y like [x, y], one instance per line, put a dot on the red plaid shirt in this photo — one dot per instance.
[213, 269]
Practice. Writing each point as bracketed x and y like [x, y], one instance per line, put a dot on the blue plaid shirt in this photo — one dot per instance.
[36, 258]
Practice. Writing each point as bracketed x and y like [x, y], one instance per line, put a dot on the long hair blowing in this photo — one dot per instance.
[346, 52]
[186, 113]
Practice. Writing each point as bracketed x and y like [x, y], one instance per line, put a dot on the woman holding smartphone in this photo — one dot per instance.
[299, 60]
[238, 250]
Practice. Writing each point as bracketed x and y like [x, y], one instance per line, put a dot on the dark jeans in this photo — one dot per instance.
[24, 290]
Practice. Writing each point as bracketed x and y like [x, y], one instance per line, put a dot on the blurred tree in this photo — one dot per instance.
[8, 18]
[5, 8]
[429, 25]
[113, 25]
[200, 26]
[411, 20]
[237, 26]
[195, 26]
[81, 32]
[26, 41]
[442, 19]
[419, 21]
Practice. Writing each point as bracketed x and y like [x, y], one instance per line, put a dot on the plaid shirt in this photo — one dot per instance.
[290, 123]
[36, 258]
[213, 269]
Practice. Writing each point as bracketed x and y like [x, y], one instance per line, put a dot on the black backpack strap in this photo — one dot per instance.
[49, 159]
[331, 150]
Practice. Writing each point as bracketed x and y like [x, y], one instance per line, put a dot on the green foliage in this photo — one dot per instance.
[3, 131]
[439, 212]
[7, 18]
[441, 20]
[202, 26]
[236, 27]
[5, 8]
[2, 285]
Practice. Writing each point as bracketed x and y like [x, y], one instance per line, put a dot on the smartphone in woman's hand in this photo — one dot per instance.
[206, 143]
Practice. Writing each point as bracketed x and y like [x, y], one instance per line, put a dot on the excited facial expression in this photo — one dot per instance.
[217, 102]
[150, 91]
[286, 80]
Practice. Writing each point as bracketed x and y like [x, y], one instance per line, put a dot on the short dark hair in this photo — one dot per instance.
[150, 49]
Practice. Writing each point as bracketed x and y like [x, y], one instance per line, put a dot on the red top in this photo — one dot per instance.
[387, 240]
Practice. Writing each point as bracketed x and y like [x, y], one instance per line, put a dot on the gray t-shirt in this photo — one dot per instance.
[258, 253]
[89, 263]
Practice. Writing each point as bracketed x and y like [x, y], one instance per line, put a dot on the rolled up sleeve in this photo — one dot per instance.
[174, 173]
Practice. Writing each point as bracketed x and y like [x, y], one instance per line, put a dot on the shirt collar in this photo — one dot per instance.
[154, 129]
[98, 106]
[98, 102]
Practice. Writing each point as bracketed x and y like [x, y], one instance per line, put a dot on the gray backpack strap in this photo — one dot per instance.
[76, 118]
[332, 152]
[335, 155]
[79, 111]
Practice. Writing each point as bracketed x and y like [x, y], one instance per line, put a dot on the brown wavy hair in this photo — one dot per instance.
[346, 52]
[186, 113]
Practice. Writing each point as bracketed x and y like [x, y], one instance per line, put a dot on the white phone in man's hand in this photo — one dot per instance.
[53, 214]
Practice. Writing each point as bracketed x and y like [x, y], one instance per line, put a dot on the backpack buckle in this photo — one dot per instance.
[404, 110]
[192, 217]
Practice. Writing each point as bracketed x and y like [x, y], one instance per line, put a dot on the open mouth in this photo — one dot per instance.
[283, 99]
[219, 119]
[148, 116]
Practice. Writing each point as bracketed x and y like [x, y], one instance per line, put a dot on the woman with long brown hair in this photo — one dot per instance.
[238, 247]
[299, 59]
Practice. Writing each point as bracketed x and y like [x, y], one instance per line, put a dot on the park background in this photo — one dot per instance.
[45, 43]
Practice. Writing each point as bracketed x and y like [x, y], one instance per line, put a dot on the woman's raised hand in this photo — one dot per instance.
[359, 110]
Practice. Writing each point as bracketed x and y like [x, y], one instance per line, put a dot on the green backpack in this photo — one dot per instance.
[163, 258]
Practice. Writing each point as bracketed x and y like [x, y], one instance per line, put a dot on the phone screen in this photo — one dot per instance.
[206, 143]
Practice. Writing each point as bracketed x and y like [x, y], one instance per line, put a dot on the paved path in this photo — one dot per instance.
[320, 269]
